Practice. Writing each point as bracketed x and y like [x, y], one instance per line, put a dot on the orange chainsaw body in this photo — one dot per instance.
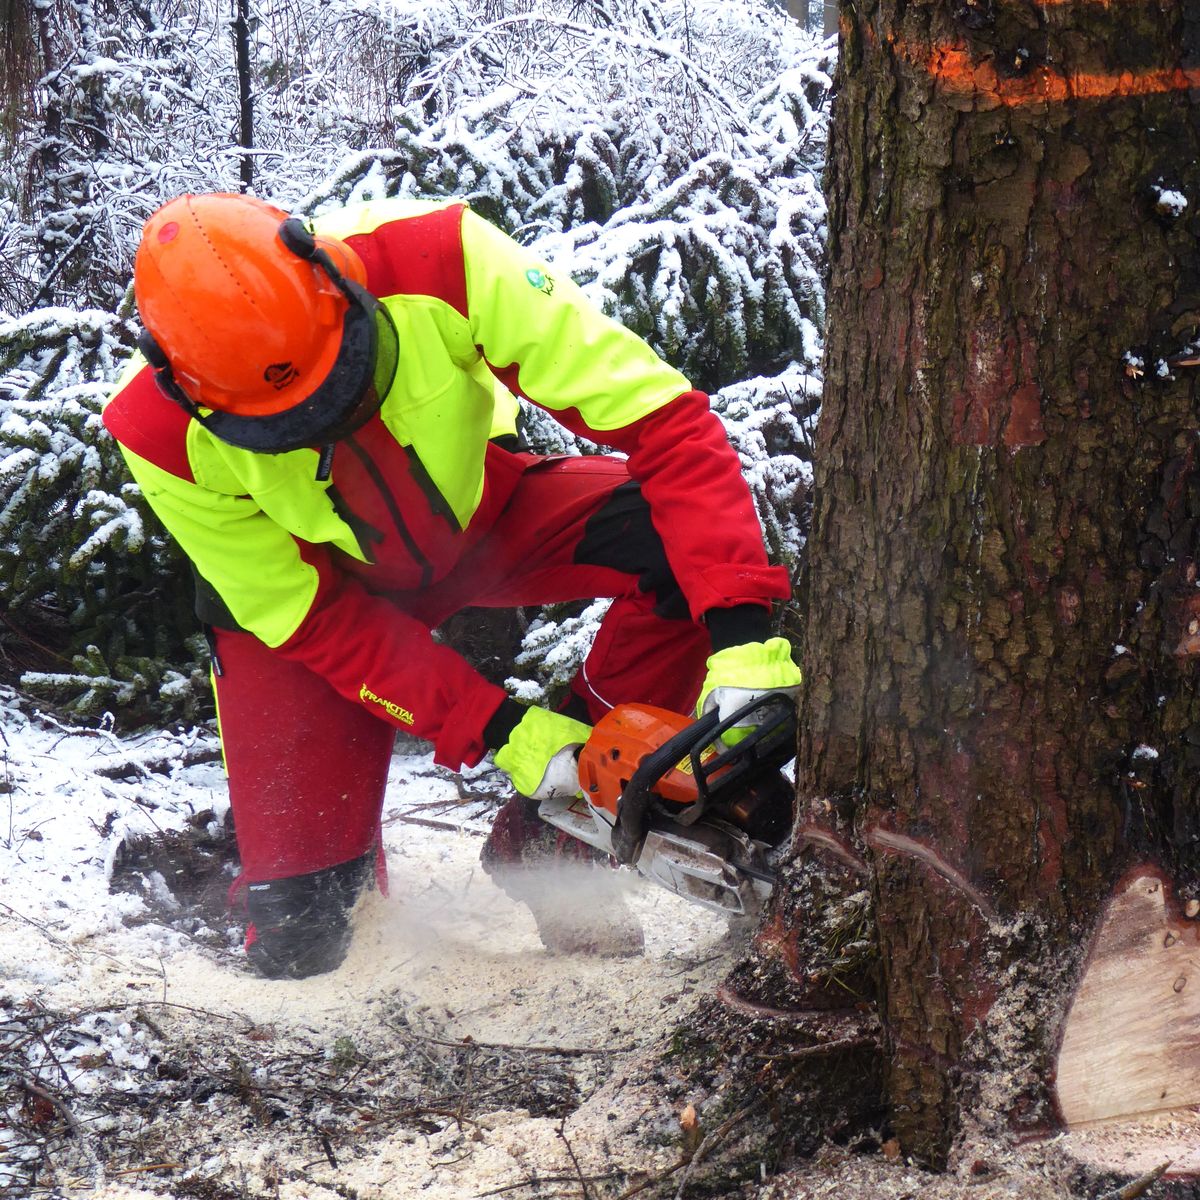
[619, 742]
[667, 795]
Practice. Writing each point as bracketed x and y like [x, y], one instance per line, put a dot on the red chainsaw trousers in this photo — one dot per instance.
[307, 768]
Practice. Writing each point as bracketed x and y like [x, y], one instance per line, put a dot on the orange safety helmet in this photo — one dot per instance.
[260, 329]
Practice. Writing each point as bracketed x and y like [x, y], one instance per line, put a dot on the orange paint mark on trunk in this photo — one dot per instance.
[958, 74]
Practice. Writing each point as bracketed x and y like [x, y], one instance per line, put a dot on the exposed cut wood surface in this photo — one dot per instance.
[1131, 1045]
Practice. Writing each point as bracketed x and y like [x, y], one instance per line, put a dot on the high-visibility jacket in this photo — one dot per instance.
[478, 318]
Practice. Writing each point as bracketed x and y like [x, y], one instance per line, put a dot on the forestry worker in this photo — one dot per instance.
[323, 415]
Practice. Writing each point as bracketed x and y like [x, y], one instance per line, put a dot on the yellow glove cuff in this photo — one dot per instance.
[753, 667]
[539, 736]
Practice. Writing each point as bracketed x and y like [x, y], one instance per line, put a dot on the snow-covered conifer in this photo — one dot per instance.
[666, 152]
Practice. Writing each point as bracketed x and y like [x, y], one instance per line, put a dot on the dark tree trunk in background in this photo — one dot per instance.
[49, 158]
[92, 47]
[1000, 739]
[241, 43]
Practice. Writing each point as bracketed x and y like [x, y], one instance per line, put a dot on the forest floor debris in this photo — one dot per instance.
[139, 1056]
[450, 1056]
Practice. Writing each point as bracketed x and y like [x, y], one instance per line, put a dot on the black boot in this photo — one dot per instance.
[300, 926]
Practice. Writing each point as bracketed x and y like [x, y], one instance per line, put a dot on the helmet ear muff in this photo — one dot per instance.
[332, 255]
[298, 238]
[151, 351]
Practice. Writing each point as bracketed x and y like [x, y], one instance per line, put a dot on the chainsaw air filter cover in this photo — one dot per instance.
[620, 742]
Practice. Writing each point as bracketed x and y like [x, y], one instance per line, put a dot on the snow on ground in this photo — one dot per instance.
[446, 961]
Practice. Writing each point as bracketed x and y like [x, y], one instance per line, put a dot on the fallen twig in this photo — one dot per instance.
[159, 764]
[149, 1024]
[67, 1115]
[42, 928]
[654, 1180]
[1138, 1187]
[689, 1161]
[696, 965]
[433, 823]
[468, 1042]
[327, 1146]
[539, 1180]
[561, 1131]
[821, 1048]
[437, 807]
[148, 1003]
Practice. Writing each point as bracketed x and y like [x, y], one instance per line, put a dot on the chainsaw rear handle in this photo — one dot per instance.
[766, 747]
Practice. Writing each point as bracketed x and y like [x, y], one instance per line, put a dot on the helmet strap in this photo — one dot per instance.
[153, 353]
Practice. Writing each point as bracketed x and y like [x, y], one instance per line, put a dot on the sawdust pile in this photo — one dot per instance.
[443, 1056]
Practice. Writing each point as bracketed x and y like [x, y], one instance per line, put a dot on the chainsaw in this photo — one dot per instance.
[665, 795]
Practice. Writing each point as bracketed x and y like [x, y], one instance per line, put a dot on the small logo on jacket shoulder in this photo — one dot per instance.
[392, 709]
[279, 375]
[540, 280]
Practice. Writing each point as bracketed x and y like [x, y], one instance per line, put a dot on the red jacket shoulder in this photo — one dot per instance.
[144, 421]
[417, 256]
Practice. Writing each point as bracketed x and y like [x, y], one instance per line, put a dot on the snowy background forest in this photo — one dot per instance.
[667, 152]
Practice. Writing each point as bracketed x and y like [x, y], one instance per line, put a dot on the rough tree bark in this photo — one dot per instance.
[1001, 730]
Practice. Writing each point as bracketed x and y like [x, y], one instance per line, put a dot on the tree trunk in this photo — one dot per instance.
[245, 80]
[1001, 729]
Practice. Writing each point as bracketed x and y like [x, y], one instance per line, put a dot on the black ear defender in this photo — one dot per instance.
[153, 353]
[299, 239]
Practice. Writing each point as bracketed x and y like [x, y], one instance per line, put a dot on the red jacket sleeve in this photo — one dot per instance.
[699, 502]
[372, 652]
[368, 649]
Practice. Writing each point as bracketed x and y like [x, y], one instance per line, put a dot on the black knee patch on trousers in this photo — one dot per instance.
[622, 536]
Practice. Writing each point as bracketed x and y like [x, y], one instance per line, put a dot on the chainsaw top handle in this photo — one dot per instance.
[765, 748]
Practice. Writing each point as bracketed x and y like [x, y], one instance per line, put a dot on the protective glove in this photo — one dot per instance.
[739, 674]
[541, 754]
